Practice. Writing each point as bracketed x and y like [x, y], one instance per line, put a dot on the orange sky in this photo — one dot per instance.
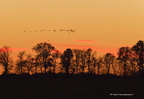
[109, 23]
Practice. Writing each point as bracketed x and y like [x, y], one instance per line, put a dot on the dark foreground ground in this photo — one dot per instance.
[69, 88]
[63, 86]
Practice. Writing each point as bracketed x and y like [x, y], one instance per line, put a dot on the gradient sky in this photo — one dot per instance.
[103, 25]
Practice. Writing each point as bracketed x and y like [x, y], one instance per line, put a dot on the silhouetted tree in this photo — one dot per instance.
[88, 55]
[29, 64]
[20, 62]
[109, 59]
[94, 63]
[77, 59]
[66, 59]
[5, 59]
[44, 51]
[73, 66]
[127, 58]
[139, 49]
[83, 61]
[50, 64]
[99, 65]
[55, 56]
[38, 64]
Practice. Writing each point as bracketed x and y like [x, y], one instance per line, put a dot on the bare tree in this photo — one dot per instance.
[84, 61]
[20, 62]
[88, 55]
[55, 56]
[127, 58]
[94, 64]
[44, 51]
[77, 59]
[38, 64]
[99, 65]
[29, 64]
[5, 59]
[109, 59]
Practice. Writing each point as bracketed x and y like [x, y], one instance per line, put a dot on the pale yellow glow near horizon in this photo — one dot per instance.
[109, 22]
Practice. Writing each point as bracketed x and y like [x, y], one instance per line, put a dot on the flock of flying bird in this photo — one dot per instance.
[44, 30]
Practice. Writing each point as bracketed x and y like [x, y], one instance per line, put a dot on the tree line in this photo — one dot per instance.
[129, 62]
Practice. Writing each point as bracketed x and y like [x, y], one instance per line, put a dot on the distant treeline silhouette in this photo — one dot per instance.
[49, 61]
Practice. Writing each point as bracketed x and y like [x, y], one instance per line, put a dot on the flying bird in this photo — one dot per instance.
[62, 29]
[24, 31]
[73, 30]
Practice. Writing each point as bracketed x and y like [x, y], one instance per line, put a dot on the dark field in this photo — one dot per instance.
[69, 88]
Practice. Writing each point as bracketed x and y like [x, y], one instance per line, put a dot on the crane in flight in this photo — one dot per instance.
[72, 30]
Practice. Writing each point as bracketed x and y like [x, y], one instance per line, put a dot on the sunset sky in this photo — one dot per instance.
[103, 25]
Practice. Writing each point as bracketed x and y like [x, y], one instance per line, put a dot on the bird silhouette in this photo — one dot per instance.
[73, 30]
[63, 29]
[67, 30]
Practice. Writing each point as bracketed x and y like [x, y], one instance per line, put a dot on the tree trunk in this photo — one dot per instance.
[36, 69]
[124, 69]
[113, 68]
[77, 66]
[108, 68]
[45, 69]
[67, 66]
[89, 66]
[6, 70]
[21, 69]
[94, 68]
[54, 66]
